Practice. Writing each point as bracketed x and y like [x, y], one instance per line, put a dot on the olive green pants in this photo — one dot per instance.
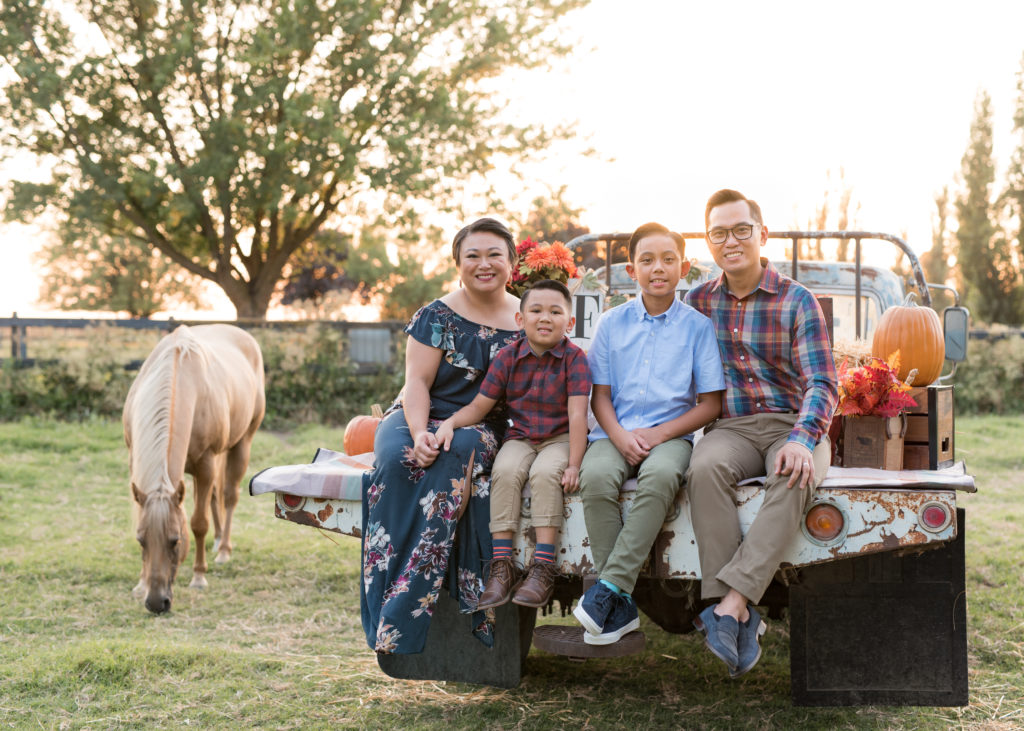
[730, 451]
[620, 549]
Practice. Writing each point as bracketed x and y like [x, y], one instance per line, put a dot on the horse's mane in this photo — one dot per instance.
[152, 411]
[155, 516]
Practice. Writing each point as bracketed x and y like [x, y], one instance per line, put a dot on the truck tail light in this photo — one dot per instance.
[292, 501]
[825, 523]
[934, 516]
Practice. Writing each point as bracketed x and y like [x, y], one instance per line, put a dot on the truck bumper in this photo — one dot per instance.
[881, 510]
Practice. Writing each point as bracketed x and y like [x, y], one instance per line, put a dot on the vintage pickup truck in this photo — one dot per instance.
[873, 583]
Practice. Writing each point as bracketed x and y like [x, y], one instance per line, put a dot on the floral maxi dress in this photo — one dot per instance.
[409, 513]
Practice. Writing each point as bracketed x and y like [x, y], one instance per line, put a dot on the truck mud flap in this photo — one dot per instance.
[452, 653]
[884, 629]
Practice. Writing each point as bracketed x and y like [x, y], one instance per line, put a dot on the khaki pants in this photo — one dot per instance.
[730, 451]
[621, 549]
[543, 464]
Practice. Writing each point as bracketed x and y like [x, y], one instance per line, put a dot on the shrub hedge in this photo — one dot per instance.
[308, 378]
[991, 381]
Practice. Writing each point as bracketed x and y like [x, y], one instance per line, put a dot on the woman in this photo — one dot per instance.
[413, 495]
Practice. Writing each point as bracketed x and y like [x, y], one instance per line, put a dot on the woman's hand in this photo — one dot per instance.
[424, 448]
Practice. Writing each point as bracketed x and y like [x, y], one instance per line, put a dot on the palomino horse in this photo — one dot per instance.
[194, 407]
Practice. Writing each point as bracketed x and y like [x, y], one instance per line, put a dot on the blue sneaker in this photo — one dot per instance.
[749, 643]
[594, 607]
[721, 635]
[622, 620]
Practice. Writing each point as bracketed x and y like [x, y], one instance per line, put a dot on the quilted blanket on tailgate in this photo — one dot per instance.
[331, 475]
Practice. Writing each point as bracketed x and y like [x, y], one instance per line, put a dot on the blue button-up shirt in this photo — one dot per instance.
[655, 366]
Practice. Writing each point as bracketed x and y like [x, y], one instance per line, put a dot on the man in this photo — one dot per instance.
[780, 395]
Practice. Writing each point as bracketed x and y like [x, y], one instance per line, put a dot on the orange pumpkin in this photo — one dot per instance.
[917, 334]
[360, 431]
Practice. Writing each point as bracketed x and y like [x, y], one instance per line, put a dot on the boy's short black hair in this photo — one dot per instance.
[654, 228]
[546, 284]
[727, 195]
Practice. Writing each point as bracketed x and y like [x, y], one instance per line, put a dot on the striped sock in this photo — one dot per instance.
[545, 553]
[502, 547]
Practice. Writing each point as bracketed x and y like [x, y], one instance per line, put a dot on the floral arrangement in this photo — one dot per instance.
[539, 261]
[874, 389]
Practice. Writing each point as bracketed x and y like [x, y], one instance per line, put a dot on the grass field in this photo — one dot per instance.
[275, 642]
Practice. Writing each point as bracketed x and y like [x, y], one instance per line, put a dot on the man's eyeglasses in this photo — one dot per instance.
[742, 232]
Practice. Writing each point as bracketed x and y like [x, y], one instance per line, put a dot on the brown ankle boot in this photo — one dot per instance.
[539, 585]
[503, 577]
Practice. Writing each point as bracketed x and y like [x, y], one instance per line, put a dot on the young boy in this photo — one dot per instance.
[657, 377]
[546, 382]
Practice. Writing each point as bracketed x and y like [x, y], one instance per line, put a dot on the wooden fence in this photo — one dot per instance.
[370, 345]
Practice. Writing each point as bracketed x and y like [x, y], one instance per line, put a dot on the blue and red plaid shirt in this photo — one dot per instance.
[537, 389]
[775, 352]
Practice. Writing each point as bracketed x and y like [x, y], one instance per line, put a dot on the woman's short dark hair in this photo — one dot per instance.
[721, 197]
[552, 284]
[649, 229]
[486, 225]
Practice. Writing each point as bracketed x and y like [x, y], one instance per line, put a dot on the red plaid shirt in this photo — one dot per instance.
[537, 389]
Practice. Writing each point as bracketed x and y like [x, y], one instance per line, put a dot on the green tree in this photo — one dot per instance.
[935, 261]
[843, 192]
[983, 255]
[317, 269]
[226, 135]
[116, 274]
[401, 280]
[89, 269]
[1012, 199]
[553, 218]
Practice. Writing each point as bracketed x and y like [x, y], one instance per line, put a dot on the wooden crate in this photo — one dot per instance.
[873, 441]
[928, 444]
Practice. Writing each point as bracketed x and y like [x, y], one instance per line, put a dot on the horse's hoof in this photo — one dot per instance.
[198, 582]
[222, 557]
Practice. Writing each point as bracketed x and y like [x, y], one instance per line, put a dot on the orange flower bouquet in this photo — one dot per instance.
[874, 389]
[539, 261]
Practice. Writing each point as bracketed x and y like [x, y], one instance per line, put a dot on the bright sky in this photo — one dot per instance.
[682, 98]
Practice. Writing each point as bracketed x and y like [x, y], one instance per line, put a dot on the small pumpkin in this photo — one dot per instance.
[360, 431]
[917, 333]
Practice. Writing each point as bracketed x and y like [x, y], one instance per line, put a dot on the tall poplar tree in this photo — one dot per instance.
[935, 261]
[983, 255]
[1013, 197]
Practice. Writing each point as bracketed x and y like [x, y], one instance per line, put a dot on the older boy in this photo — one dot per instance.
[545, 379]
[780, 395]
[657, 377]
